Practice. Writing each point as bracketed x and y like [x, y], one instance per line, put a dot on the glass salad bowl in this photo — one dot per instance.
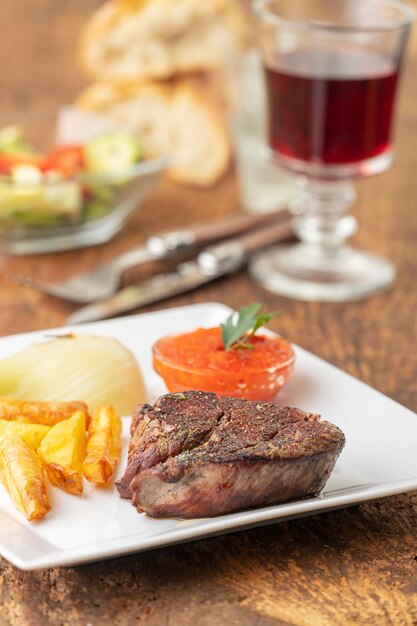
[78, 194]
[53, 214]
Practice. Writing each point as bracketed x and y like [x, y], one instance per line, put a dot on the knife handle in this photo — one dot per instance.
[265, 237]
[234, 224]
[164, 245]
[229, 255]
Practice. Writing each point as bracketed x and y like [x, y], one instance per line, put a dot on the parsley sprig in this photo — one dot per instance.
[176, 396]
[240, 327]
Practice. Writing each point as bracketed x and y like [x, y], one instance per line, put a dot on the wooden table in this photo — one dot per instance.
[355, 566]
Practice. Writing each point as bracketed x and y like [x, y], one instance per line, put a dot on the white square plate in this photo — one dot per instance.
[379, 458]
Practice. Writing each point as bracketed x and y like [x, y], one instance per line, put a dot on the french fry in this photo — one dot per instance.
[32, 434]
[62, 452]
[47, 413]
[103, 445]
[21, 474]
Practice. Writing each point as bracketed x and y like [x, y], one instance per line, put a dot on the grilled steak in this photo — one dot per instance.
[194, 454]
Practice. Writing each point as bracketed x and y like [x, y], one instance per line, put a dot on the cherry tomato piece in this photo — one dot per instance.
[8, 161]
[69, 160]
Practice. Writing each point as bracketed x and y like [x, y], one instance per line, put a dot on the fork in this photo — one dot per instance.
[94, 285]
[104, 281]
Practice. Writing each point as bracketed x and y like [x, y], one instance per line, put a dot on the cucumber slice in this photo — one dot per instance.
[10, 136]
[24, 203]
[112, 152]
[22, 219]
[93, 210]
[12, 142]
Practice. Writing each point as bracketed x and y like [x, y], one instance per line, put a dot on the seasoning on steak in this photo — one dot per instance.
[195, 454]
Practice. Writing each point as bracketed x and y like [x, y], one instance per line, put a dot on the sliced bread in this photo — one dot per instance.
[156, 39]
[169, 119]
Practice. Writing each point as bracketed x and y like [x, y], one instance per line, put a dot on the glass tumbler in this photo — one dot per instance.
[332, 70]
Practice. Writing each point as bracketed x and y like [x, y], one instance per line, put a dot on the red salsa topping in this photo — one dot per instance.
[198, 360]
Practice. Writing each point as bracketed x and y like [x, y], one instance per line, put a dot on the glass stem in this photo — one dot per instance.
[320, 219]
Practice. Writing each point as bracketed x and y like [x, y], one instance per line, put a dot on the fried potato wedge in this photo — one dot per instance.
[47, 413]
[32, 434]
[62, 453]
[103, 445]
[21, 474]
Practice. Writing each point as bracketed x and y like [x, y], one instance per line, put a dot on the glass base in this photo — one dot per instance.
[305, 272]
[325, 171]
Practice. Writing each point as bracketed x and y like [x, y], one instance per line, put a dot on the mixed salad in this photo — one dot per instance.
[68, 185]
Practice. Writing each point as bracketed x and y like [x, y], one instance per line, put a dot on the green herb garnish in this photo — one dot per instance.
[239, 328]
[176, 396]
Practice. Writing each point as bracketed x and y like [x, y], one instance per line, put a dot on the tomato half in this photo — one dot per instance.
[69, 160]
[197, 360]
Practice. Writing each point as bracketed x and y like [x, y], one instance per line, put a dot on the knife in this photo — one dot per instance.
[169, 243]
[103, 281]
[211, 263]
[165, 245]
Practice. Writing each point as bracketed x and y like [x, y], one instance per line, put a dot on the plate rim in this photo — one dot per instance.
[86, 553]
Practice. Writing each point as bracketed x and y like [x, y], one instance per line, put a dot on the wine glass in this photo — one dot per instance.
[332, 69]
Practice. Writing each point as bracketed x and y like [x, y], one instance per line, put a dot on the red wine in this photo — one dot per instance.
[332, 106]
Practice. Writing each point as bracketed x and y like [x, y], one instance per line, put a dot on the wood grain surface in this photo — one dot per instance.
[355, 566]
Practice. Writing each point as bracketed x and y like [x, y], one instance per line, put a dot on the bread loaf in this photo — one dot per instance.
[169, 119]
[128, 40]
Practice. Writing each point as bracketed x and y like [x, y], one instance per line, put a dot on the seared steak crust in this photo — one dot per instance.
[197, 455]
[170, 426]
